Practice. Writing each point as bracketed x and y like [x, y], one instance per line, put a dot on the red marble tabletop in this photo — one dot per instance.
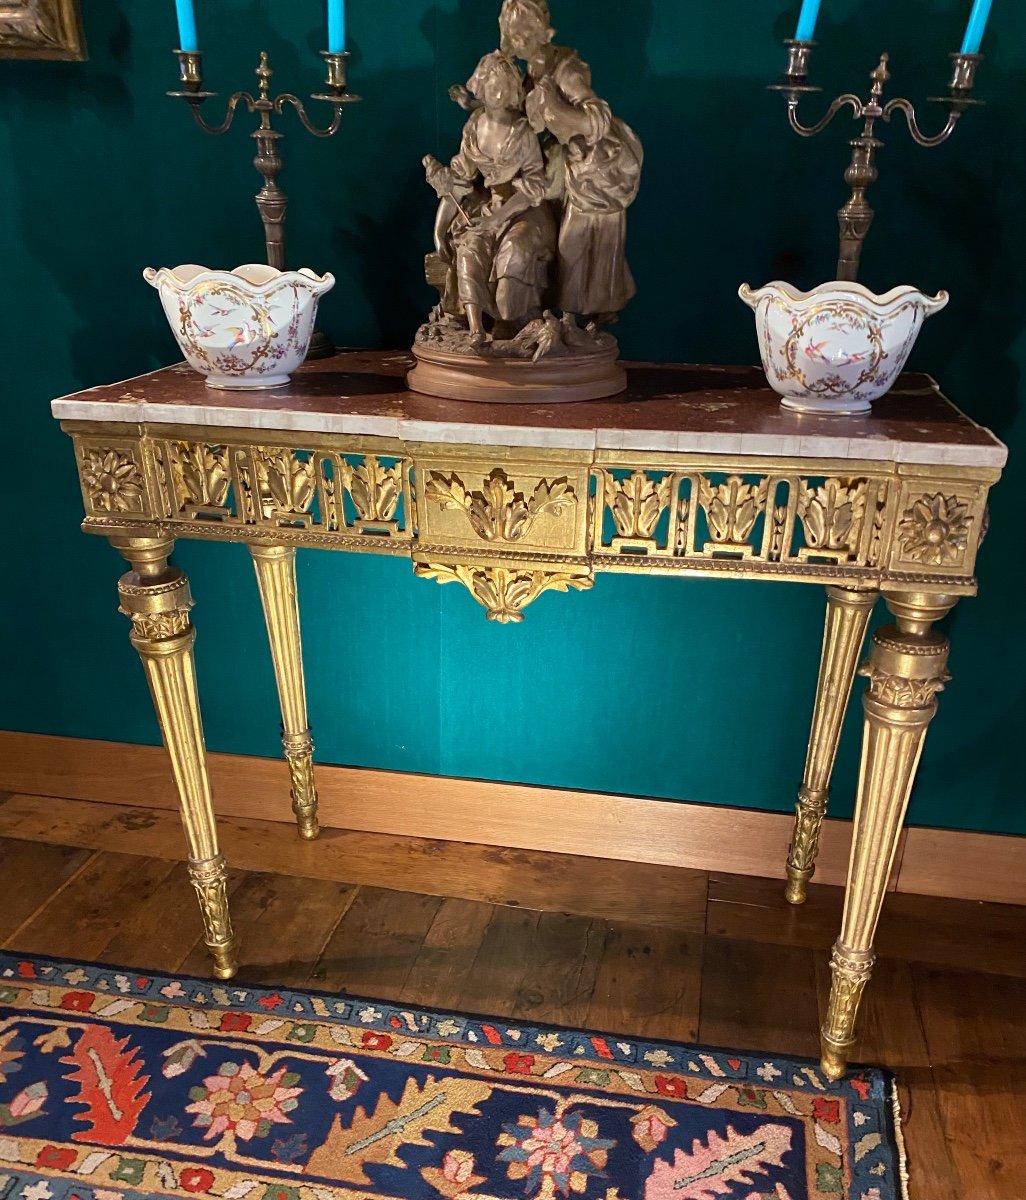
[667, 406]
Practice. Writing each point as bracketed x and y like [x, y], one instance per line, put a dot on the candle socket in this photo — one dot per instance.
[963, 77]
[190, 72]
[336, 67]
[796, 74]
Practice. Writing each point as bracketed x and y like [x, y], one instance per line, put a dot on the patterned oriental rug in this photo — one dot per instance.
[116, 1085]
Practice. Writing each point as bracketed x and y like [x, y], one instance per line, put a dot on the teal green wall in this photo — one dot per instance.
[667, 688]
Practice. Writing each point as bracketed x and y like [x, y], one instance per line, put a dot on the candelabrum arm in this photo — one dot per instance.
[233, 103]
[908, 110]
[308, 125]
[848, 100]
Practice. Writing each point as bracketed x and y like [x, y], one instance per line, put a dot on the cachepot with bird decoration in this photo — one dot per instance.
[838, 347]
[247, 328]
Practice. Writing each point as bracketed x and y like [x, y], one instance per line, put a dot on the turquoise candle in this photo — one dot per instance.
[186, 26]
[977, 24]
[807, 21]
[336, 27]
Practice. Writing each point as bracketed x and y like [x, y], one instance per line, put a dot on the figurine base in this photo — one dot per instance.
[496, 378]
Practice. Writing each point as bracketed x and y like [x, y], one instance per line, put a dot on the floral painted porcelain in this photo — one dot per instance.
[247, 328]
[839, 347]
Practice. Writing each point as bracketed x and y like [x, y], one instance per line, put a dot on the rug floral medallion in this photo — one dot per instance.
[116, 1085]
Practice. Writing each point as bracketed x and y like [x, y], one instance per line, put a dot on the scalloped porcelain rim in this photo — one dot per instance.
[155, 275]
[902, 291]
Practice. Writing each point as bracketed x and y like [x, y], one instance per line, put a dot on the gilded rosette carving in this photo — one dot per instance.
[112, 480]
[935, 530]
[503, 591]
[498, 512]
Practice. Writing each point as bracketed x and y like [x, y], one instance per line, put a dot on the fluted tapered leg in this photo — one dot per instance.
[906, 670]
[276, 577]
[156, 597]
[847, 616]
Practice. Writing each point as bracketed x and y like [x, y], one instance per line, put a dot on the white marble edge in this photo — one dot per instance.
[766, 445]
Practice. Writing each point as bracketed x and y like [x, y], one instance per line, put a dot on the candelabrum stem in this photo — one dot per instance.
[856, 215]
[271, 200]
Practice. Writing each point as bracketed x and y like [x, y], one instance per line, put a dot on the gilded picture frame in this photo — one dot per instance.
[41, 29]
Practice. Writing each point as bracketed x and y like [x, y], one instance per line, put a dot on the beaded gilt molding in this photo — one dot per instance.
[512, 523]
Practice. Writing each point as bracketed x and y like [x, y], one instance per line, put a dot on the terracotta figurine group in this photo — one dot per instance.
[531, 223]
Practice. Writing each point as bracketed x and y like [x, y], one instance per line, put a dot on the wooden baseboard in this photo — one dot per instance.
[705, 837]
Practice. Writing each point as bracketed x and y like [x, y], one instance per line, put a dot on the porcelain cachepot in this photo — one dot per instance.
[839, 347]
[247, 328]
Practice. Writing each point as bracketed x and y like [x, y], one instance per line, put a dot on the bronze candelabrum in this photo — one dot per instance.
[271, 200]
[856, 216]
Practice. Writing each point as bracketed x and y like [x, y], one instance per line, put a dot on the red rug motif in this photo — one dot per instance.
[116, 1085]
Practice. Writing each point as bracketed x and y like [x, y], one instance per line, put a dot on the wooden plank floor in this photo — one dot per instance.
[620, 947]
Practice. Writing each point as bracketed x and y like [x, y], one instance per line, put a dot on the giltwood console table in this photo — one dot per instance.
[693, 471]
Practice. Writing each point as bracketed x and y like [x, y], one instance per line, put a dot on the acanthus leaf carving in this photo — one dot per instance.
[850, 976]
[285, 480]
[503, 591]
[637, 502]
[901, 692]
[375, 489]
[160, 626]
[809, 815]
[201, 474]
[498, 512]
[732, 507]
[210, 879]
[832, 514]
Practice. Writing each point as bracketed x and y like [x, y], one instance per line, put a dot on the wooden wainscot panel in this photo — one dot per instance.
[972, 866]
[938, 862]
